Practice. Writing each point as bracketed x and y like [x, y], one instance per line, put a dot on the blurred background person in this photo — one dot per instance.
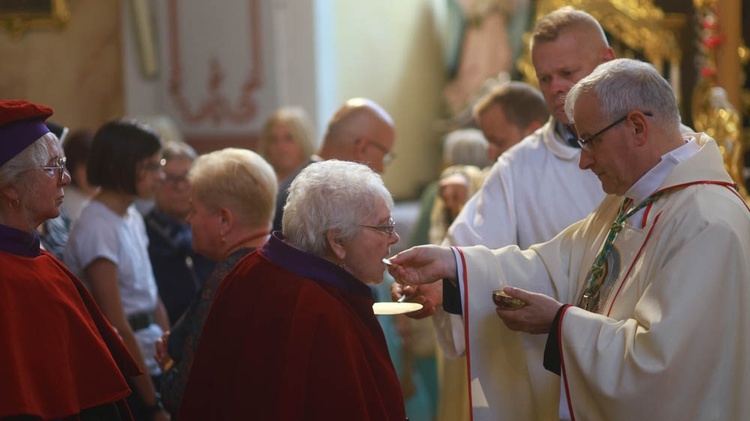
[288, 141]
[234, 189]
[359, 131]
[60, 359]
[108, 249]
[77, 146]
[463, 147]
[166, 130]
[466, 147]
[456, 185]
[177, 269]
[508, 113]
[291, 333]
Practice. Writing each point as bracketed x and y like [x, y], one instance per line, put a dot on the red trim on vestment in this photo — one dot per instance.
[736, 193]
[714, 182]
[622, 284]
[562, 360]
[728, 185]
[464, 271]
[645, 214]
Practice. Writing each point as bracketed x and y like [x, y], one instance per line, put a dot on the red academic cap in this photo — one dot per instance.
[21, 124]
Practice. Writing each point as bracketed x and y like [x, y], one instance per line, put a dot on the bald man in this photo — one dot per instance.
[359, 131]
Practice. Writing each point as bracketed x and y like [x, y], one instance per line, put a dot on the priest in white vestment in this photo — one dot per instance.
[647, 300]
[534, 191]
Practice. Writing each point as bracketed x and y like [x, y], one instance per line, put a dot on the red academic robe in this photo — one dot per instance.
[279, 346]
[59, 355]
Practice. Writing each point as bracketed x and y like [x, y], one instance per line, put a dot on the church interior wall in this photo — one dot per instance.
[254, 56]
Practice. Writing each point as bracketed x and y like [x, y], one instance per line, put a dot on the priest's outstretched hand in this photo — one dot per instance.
[423, 265]
[429, 295]
[534, 317]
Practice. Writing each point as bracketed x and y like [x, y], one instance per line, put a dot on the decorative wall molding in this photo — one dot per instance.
[215, 107]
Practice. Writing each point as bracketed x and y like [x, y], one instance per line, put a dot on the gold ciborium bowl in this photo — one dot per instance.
[505, 301]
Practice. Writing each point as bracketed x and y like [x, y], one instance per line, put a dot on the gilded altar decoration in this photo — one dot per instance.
[18, 16]
[712, 111]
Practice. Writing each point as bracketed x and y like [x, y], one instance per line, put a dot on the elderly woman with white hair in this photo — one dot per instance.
[292, 334]
[60, 359]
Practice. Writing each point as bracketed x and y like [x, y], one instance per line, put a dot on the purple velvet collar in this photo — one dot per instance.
[312, 267]
[18, 242]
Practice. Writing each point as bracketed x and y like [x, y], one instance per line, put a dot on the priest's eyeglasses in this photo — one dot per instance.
[58, 168]
[586, 143]
[388, 229]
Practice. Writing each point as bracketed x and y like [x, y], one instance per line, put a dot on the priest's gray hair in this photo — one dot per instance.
[331, 195]
[624, 85]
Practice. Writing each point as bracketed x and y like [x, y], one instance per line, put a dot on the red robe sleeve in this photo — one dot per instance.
[59, 355]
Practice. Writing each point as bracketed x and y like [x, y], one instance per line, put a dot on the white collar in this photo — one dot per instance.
[651, 181]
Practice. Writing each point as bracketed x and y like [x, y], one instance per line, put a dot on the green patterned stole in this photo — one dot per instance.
[590, 298]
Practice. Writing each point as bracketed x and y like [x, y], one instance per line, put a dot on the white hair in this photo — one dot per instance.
[35, 155]
[465, 147]
[331, 195]
[624, 85]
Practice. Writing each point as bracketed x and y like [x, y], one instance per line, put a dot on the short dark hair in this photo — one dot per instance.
[77, 147]
[117, 149]
[522, 104]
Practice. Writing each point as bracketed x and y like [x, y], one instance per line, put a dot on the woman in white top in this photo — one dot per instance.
[108, 249]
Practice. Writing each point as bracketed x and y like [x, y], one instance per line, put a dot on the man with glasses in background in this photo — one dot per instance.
[359, 131]
[177, 269]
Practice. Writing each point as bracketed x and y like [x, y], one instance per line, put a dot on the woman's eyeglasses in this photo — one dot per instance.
[58, 168]
[388, 229]
[154, 166]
